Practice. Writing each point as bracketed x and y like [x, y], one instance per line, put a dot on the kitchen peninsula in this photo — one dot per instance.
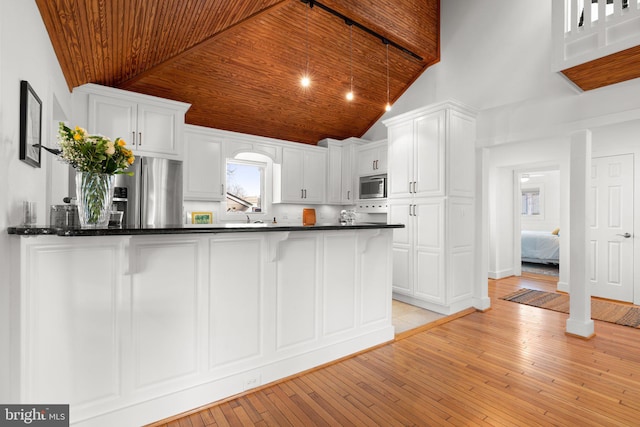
[129, 326]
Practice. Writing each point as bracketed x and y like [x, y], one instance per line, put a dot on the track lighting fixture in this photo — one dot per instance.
[306, 81]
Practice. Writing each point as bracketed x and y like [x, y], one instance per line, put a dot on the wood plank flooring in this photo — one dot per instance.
[510, 366]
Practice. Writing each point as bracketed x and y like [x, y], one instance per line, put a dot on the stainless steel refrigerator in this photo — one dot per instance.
[152, 197]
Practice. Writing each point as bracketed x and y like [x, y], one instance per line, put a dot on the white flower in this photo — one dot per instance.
[111, 148]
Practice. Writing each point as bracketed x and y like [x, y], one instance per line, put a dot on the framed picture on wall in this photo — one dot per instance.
[30, 125]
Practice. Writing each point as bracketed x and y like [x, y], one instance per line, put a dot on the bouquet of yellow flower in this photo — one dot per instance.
[93, 153]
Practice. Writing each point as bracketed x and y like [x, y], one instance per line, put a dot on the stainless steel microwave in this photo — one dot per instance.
[373, 187]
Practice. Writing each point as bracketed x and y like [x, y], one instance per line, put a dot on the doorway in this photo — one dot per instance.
[537, 207]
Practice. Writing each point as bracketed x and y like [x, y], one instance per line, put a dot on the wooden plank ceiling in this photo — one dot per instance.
[239, 62]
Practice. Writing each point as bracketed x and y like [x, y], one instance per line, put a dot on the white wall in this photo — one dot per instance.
[493, 53]
[25, 54]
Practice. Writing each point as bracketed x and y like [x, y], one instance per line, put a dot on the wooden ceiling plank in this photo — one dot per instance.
[62, 49]
[611, 69]
[201, 44]
[179, 30]
[238, 62]
[275, 106]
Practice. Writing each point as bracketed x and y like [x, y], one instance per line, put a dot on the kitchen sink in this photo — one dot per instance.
[245, 225]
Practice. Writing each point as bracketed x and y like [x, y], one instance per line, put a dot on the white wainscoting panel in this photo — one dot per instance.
[164, 310]
[339, 282]
[236, 289]
[73, 320]
[297, 287]
[375, 275]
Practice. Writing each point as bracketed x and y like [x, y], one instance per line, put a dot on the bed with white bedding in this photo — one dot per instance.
[541, 247]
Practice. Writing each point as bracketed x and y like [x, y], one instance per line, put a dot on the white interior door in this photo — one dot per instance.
[611, 237]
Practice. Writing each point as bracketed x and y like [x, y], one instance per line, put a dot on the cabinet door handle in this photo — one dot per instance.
[302, 193]
[410, 210]
[139, 138]
[348, 194]
[414, 210]
[133, 138]
[222, 189]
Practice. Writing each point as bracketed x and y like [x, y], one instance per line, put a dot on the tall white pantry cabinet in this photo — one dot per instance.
[431, 174]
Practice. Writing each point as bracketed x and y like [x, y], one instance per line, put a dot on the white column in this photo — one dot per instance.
[481, 300]
[579, 322]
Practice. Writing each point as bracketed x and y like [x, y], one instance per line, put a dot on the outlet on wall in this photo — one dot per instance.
[251, 381]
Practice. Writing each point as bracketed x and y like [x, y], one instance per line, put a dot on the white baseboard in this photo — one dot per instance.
[500, 274]
[199, 395]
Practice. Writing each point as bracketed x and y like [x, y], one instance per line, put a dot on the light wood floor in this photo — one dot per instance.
[510, 366]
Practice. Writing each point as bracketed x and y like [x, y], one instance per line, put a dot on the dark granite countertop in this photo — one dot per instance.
[188, 229]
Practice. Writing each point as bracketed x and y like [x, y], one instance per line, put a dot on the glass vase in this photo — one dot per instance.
[94, 192]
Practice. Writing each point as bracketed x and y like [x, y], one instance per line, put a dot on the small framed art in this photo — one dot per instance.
[30, 125]
[201, 217]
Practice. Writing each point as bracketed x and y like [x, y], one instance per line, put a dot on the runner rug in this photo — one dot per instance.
[606, 311]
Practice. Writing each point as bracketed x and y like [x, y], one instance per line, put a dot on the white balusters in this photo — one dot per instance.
[592, 29]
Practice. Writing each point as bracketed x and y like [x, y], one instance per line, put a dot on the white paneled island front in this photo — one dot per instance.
[132, 327]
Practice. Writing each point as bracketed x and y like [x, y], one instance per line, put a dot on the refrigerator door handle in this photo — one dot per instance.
[144, 192]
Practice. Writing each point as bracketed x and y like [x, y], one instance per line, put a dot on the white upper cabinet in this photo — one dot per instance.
[302, 176]
[204, 171]
[431, 154]
[372, 158]
[340, 170]
[150, 125]
[417, 156]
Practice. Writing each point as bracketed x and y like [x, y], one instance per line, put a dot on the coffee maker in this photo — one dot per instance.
[120, 203]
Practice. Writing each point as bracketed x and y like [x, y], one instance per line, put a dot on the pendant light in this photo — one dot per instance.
[388, 106]
[349, 95]
[305, 81]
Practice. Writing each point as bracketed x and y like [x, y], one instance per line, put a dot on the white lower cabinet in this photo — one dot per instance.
[129, 330]
[418, 249]
[433, 255]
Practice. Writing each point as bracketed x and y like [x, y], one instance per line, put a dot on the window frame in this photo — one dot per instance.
[259, 160]
[532, 188]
